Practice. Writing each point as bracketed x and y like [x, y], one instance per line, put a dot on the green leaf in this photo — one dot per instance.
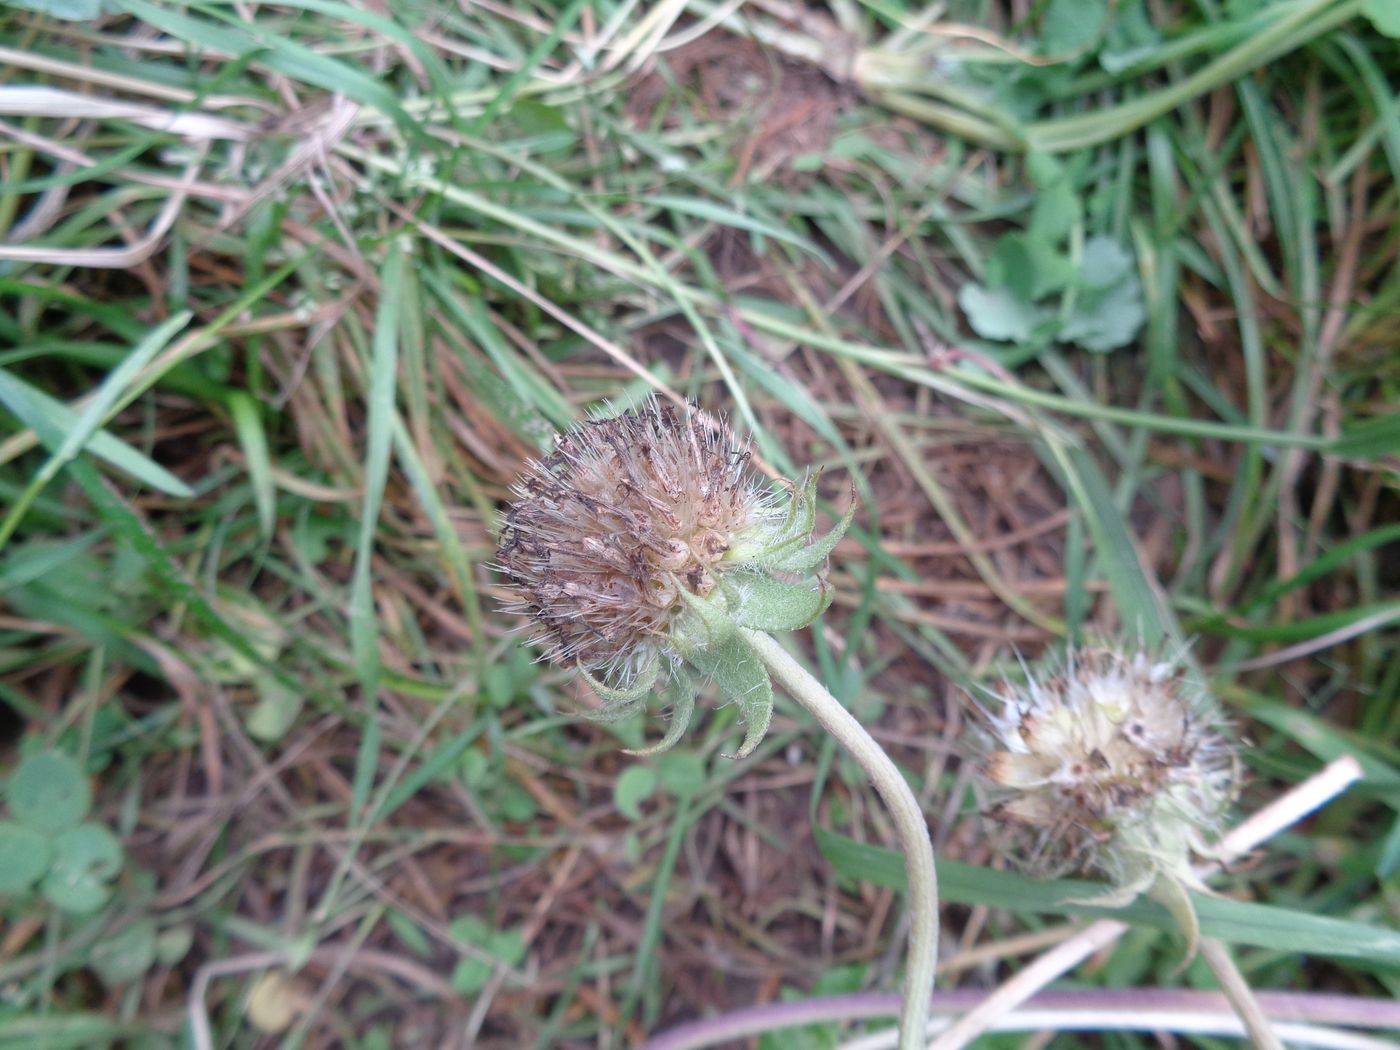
[117, 382]
[682, 774]
[33, 560]
[499, 685]
[517, 804]
[85, 860]
[1106, 321]
[538, 118]
[1232, 921]
[379, 423]
[633, 787]
[724, 216]
[125, 956]
[998, 314]
[517, 412]
[70, 1031]
[1029, 266]
[49, 792]
[1328, 743]
[276, 710]
[1056, 212]
[1045, 169]
[68, 10]
[739, 675]
[500, 946]
[247, 423]
[1140, 607]
[1104, 262]
[1384, 15]
[473, 768]
[470, 975]
[765, 604]
[529, 386]
[1371, 438]
[275, 49]
[24, 857]
[174, 944]
[1132, 37]
[53, 421]
[1069, 26]
[1389, 861]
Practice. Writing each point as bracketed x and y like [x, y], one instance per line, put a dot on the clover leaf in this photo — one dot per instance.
[85, 860]
[48, 792]
[24, 857]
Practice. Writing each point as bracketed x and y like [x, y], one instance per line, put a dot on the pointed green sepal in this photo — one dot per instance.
[711, 622]
[610, 713]
[1115, 896]
[766, 604]
[1170, 892]
[757, 716]
[740, 676]
[680, 721]
[633, 693]
[809, 558]
[780, 539]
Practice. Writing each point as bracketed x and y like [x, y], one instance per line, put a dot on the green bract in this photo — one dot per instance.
[640, 548]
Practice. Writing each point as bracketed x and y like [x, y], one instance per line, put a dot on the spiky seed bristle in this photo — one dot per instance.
[606, 532]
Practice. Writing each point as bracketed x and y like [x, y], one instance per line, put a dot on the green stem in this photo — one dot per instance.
[908, 820]
[1241, 996]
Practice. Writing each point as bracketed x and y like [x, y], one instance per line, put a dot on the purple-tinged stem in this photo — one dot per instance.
[1303, 1007]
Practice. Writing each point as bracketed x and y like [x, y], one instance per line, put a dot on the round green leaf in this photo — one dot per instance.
[632, 788]
[470, 975]
[85, 859]
[473, 766]
[174, 944]
[500, 685]
[24, 857]
[995, 313]
[516, 803]
[125, 956]
[49, 792]
[682, 773]
[275, 712]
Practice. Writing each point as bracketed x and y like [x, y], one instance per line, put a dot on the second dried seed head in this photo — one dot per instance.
[1113, 762]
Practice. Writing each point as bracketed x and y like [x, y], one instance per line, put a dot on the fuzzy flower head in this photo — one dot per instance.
[1114, 763]
[642, 544]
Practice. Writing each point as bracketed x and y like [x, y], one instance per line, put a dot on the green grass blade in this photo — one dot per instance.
[247, 424]
[1236, 922]
[364, 633]
[53, 421]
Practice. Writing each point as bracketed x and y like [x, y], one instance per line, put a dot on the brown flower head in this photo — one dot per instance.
[642, 542]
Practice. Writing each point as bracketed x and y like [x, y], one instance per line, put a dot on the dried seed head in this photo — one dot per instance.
[1111, 763]
[606, 533]
[641, 542]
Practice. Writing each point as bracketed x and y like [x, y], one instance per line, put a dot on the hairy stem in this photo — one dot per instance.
[1240, 994]
[908, 820]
